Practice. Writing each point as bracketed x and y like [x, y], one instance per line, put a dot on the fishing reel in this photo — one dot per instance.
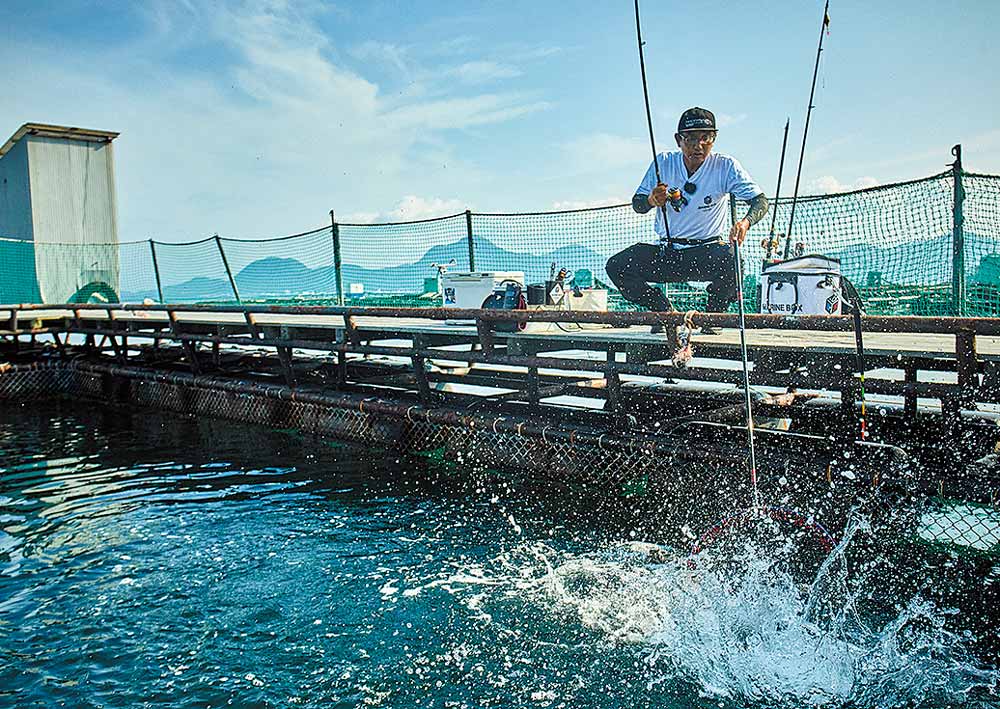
[676, 198]
[770, 244]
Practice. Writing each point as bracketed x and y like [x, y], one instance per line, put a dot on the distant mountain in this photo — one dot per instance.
[915, 263]
[274, 277]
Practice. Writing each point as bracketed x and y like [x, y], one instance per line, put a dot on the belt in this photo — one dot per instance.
[691, 242]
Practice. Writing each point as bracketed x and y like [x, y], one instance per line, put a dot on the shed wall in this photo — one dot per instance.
[73, 202]
[18, 283]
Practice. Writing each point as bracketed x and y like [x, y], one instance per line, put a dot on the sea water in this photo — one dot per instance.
[156, 561]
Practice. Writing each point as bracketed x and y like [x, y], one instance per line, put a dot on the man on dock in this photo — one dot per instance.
[696, 196]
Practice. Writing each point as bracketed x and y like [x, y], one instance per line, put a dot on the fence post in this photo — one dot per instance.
[156, 270]
[958, 237]
[337, 264]
[468, 233]
[229, 272]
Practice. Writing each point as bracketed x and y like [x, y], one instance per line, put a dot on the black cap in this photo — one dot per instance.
[696, 119]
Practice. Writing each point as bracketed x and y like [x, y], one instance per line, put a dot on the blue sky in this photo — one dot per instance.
[255, 118]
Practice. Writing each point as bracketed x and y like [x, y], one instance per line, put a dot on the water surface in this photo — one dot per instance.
[152, 561]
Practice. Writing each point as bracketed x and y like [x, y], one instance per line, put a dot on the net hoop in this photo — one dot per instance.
[822, 536]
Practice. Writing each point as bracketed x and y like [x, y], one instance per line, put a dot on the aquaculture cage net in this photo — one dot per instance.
[970, 526]
[44, 272]
[296, 268]
[394, 263]
[540, 244]
[193, 272]
[896, 243]
[958, 524]
[981, 231]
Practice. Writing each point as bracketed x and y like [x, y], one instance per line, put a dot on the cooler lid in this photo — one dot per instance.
[810, 263]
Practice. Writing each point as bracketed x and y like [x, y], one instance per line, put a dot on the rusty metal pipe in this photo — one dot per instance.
[908, 323]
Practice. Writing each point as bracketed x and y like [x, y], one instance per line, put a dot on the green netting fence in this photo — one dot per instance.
[923, 247]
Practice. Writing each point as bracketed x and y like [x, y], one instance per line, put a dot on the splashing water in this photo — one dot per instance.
[745, 630]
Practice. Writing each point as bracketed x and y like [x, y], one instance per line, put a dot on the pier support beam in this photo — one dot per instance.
[965, 356]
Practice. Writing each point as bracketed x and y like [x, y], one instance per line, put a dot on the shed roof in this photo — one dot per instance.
[49, 131]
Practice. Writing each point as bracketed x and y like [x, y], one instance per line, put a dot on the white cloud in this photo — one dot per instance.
[586, 203]
[412, 207]
[482, 72]
[462, 112]
[390, 55]
[539, 53]
[828, 184]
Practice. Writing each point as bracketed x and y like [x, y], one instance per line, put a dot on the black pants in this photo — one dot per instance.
[633, 269]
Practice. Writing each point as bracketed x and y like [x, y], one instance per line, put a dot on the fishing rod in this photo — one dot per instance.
[649, 116]
[738, 267]
[805, 133]
[772, 242]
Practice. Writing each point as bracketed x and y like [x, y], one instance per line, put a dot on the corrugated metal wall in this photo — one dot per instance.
[73, 202]
[17, 258]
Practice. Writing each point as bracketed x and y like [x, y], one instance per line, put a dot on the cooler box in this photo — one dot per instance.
[807, 285]
[468, 289]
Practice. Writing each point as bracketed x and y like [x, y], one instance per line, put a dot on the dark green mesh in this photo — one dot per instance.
[896, 243]
[893, 242]
[385, 261]
[982, 244]
[286, 269]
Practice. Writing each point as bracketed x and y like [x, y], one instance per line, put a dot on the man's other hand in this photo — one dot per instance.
[739, 232]
[659, 196]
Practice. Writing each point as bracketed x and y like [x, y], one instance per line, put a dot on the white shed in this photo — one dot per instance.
[58, 215]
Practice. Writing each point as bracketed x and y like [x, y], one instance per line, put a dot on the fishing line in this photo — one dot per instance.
[738, 268]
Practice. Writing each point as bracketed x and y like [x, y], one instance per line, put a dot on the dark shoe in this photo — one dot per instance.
[709, 330]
